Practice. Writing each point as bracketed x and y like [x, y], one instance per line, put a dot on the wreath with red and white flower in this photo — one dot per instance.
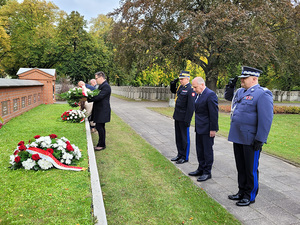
[45, 152]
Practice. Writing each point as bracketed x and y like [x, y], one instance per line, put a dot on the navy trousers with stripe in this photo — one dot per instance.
[182, 136]
[247, 161]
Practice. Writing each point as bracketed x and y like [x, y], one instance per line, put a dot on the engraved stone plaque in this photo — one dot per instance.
[15, 104]
[23, 102]
[4, 108]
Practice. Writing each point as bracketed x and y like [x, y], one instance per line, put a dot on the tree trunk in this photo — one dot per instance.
[211, 80]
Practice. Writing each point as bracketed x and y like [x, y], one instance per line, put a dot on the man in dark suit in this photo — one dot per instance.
[101, 109]
[183, 112]
[206, 126]
[251, 119]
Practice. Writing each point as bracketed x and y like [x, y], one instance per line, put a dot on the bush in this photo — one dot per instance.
[286, 109]
[225, 108]
[277, 109]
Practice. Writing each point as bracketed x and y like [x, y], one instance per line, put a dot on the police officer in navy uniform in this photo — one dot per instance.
[184, 109]
[251, 119]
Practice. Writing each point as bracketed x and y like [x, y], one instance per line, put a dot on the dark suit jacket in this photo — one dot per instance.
[206, 112]
[101, 107]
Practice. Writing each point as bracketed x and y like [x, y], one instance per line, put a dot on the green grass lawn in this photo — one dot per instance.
[140, 186]
[283, 140]
[43, 197]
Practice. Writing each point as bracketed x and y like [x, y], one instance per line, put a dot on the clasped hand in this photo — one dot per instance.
[257, 145]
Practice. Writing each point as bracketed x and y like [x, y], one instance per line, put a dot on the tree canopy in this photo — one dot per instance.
[222, 32]
[149, 42]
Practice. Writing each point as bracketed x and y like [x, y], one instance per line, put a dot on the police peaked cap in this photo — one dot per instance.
[249, 71]
[184, 74]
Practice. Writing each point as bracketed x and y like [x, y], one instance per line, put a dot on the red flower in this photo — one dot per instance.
[35, 157]
[17, 159]
[52, 136]
[37, 136]
[16, 152]
[22, 147]
[70, 148]
[68, 143]
[50, 150]
[21, 143]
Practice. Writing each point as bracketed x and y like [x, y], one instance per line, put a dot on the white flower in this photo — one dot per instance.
[78, 155]
[43, 144]
[48, 140]
[68, 162]
[60, 148]
[12, 159]
[44, 164]
[75, 117]
[33, 144]
[64, 139]
[67, 156]
[55, 145]
[28, 164]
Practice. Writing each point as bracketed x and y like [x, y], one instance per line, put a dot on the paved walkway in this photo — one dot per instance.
[278, 201]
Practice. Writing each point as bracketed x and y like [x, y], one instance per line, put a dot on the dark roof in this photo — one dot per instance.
[18, 83]
[48, 71]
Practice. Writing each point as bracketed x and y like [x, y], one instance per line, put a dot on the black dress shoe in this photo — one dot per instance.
[181, 161]
[244, 202]
[204, 177]
[235, 197]
[99, 148]
[175, 158]
[196, 173]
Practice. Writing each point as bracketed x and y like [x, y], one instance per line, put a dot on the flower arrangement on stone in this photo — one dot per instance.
[74, 116]
[45, 152]
[75, 95]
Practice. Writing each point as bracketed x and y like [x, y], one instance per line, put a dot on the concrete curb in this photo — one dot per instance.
[97, 199]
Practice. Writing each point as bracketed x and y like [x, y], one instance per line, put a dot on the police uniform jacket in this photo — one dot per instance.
[206, 112]
[252, 115]
[101, 109]
[184, 106]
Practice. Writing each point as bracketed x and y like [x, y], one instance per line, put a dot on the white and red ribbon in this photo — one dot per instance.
[50, 158]
[84, 91]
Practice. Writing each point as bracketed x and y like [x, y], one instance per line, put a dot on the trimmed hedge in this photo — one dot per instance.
[277, 109]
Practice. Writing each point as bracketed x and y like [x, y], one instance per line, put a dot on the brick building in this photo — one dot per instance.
[45, 76]
[34, 87]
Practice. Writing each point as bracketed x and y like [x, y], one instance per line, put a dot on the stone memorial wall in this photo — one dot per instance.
[164, 93]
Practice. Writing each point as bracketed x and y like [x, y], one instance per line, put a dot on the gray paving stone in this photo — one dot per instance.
[279, 216]
[289, 205]
[261, 221]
